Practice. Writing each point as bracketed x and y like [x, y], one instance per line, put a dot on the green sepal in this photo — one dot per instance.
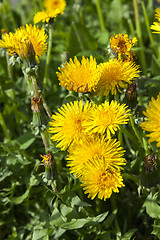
[39, 119]
[51, 172]
[150, 178]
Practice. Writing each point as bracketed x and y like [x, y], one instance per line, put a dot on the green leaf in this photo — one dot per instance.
[79, 223]
[156, 228]
[77, 201]
[129, 234]
[56, 218]
[152, 208]
[5, 174]
[19, 200]
[59, 232]
[38, 234]
[25, 140]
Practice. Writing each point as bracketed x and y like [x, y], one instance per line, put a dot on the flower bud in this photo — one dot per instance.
[150, 172]
[131, 95]
[39, 116]
[50, 166]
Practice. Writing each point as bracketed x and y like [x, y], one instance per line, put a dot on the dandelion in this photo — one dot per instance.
[51, 5]
[25, 42]
[156, 25]
[121, 44]
[79, 76]
[152, 122]
[116, 74]
[67, 124]
[157, 14]
[98, 180]
[108, 150]
[48, 160]
[46, 16]
[107, 118]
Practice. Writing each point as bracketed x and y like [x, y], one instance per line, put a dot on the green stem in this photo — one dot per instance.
[45, 138]
[145, 144]
[78, 37]
[35, 86]
[9, 67]
[100, 16]
[131, 26]
[129, 135]
[28, 79]
[4, 128]
[120, 137]
[48, 57]
[48, 111]
[148, 28]
[139, 35]
[135, 130]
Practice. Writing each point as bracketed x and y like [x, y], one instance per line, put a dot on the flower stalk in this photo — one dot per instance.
[135, 130]
[48, 59]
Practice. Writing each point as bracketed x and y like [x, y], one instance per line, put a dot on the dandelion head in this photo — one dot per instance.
[152, 122]
[121, 44]
[46, 16]
[48, 160]
[106, 150]
[25, 42]
[157, 14]
[54, 4]
[156, 27]
[79, 76]
[106, 118]
[67, 124]
[116, 74]
[97, 180]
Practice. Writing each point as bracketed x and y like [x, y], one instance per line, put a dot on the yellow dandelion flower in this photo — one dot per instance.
[67, 124]
[107, 150]
[24, 39]
[157, 14]
[156, 27]
[107, 118]
[116, 74]
[54, 4]
[98, 180]
[48, 160]
[46, 16]
[152, 123]
[79, 76]
[122, 44]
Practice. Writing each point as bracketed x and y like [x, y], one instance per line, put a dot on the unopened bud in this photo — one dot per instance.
[50, 166]
[150, 172]
[39, 116]
[131, 95]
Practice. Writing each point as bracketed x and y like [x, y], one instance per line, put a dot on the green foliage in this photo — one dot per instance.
[31, 207]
